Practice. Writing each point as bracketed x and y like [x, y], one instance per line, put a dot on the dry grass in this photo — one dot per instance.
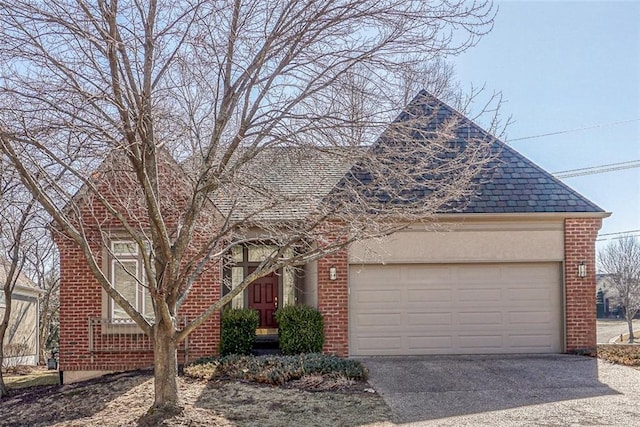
[122, 400]
[29, 376]
[628, 355]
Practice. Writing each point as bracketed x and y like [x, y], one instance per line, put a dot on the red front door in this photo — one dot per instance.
[263, 296]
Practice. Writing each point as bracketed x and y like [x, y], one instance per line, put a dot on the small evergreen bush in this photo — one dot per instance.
[238, 331]
[276, 370]
[300, 329]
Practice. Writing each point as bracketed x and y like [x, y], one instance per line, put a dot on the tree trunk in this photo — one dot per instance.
[630, 324]
[165, 368]
[3, 331]
[42, 357]
[44, 333]
[3, 388]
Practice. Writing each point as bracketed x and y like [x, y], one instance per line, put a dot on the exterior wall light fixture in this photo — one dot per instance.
[333, 273]
[582, 269]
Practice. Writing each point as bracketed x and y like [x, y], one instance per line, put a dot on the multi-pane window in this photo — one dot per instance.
[244, 257]
[127, 277]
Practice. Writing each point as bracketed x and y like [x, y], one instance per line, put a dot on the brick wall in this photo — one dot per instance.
[81, 298]
[333, 303]
[81, 295]
[580, 292]
[333, 296]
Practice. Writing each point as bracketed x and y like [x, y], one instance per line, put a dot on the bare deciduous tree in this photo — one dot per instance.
[620, 262]
[21, 232]
[191, 113]
[46, 275]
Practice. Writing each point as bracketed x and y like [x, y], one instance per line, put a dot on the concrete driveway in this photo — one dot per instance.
[550, 390]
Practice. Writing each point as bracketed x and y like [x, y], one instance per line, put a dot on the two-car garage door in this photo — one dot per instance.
[407, 309]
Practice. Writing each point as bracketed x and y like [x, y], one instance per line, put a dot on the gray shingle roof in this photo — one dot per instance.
[282, 184]
[516, 184]
[511, 183]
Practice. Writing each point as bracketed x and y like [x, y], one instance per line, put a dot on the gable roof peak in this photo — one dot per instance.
[514, 183]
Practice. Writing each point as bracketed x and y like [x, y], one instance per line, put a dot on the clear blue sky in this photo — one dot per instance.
[567, 65]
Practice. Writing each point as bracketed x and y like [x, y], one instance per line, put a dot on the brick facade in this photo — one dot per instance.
[81, 298]
[333, 303]
[580, 292]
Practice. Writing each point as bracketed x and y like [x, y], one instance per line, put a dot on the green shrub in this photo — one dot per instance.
[276, 370]
[238, 331]
[300, 329]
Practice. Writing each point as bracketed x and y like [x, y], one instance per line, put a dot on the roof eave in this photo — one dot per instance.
[522, 215]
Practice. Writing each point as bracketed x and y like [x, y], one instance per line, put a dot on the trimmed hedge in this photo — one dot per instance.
[238, 331]
[275, 370]
[300, 329]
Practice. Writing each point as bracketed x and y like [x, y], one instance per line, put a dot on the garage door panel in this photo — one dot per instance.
[480, 318]
[429, 320]
[476, 295]
[527, 294]
[428, 296]
[455, 309]
[529, 317]
[481, 342]
[380, 320]
[418, 344]
[525, 273]
[530, 340]
[383, 345]
[378, 296]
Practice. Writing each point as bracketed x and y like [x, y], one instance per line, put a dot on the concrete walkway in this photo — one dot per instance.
[552, 390]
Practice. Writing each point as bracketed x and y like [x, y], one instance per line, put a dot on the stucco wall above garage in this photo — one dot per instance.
[529, 239]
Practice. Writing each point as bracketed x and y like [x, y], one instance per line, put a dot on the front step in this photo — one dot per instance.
[266, 351]
[266, 345]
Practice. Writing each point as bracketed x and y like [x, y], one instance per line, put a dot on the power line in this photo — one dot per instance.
[560, 132]
[619, 232]
[617, 238]
[631, 164]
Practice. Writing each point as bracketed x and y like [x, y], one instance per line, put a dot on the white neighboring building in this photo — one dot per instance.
[21, 339]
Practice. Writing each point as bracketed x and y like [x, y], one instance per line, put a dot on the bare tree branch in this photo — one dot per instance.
[620, 262]
[187, 126]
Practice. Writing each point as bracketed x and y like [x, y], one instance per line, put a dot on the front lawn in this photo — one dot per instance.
[123, 399]
[30, 376]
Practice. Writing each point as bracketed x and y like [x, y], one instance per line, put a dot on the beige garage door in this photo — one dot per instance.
[455, 309]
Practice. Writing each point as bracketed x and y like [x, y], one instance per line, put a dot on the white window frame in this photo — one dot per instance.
[116, 259]
[124, 242]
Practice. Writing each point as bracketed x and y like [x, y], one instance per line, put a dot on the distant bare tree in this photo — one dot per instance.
[46, 276]
[21, 232]
[183, 107]
[620, 261]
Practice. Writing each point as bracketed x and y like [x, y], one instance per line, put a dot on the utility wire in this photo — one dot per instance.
[560, 132]
[598, 169]
[617, 238]
[619, 232]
